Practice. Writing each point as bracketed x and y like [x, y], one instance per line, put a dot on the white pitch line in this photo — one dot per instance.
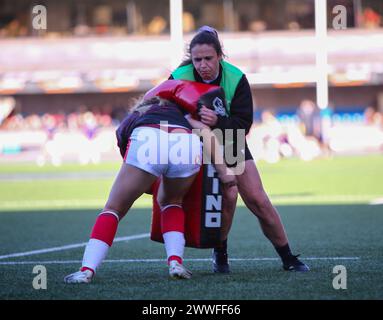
[164, 260]
[71, 246]
[377, 201]
[146, 202]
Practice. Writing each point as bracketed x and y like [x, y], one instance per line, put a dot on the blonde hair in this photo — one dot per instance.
[142, 105]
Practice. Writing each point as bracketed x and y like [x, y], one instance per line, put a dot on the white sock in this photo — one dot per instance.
[95, 252]
[174, 243]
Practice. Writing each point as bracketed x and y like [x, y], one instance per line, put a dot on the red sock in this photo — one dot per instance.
[177, 258]
[172, 219]
[105, 227]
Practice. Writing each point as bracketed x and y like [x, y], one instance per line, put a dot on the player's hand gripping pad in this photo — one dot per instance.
[203, 209]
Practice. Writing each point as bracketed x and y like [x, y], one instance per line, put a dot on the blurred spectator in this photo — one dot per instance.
[102, 19]
[13, 122]
[89, 124]
[268, 140]
[310, 119]
[54, 138]
[49, 124]
[50, 151]
[188, 22]
[371, 19]
[157, 25]
[369, 115]
[33, 122]
[274, 139]
[15, 29]
[293, 25]
[257, 26]
[372, 117]
[81, 30]
[311, 124]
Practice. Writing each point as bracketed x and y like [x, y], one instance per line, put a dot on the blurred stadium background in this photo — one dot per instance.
[318, 109]
[75, 80]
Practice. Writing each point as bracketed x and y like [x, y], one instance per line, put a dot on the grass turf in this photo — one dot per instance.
[323, 204]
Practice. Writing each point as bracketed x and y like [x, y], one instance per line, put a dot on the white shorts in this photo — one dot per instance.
[172, 154]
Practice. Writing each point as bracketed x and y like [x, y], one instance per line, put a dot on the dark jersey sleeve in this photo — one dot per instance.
[241, 109]
[124, 131]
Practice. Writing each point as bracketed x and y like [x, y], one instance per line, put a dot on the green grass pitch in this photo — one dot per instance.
[326, 206]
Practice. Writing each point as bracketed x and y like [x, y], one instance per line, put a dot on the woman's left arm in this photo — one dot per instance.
[241, 109]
